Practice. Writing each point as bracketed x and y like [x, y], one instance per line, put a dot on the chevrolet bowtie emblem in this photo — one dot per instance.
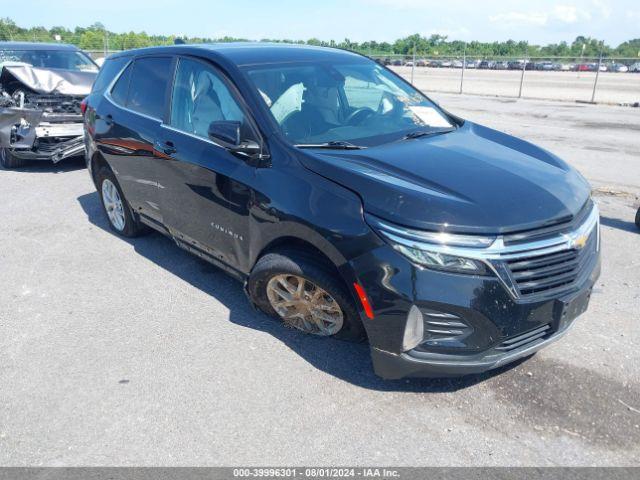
[579, 242]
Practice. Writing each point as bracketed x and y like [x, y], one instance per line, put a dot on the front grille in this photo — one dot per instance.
[63, 104]
[525, 338]
[537, 274]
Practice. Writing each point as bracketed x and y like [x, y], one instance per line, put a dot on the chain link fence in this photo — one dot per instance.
[582, 79]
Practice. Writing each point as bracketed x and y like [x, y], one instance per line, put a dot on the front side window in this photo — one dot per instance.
[148, 85]
[358, 102]
[200, 97]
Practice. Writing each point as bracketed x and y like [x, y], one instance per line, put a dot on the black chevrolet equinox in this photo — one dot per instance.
[348, 203]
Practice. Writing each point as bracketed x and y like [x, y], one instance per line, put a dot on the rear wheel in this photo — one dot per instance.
[116, 207]
[305, 294]
[8, 160]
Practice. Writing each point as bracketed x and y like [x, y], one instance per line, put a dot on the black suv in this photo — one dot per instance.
[348, 203]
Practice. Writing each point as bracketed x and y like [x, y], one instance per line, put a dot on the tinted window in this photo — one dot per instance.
[108, 72]
[200, 97]
[120, 89]
[148, 85]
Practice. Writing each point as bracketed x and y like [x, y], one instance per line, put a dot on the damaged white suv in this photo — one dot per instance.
[42, 86]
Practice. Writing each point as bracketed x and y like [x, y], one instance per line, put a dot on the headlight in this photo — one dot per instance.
[437, 250]
[441, 261]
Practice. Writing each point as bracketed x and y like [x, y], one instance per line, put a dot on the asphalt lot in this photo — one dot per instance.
[117, 352]
[612, 87]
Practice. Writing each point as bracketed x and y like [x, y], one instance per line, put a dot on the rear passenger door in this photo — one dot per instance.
[205, 189]
[131, 125]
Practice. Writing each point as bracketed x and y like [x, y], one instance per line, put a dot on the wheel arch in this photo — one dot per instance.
[97, 162]
[310, 242]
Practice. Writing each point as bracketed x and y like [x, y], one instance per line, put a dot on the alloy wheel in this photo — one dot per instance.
[113, 204]
[304, 305]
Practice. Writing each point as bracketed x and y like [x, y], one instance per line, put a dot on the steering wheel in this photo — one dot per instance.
[358, 115]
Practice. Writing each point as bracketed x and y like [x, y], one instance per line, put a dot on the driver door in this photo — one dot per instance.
[203, 187]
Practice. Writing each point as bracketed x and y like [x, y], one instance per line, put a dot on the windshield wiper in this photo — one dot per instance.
[335, 145]
[426, 133]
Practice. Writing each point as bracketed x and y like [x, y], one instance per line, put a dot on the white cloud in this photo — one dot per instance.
[633, 14]
[520, 18]
[603, 8]
[401, 4]
[567, 14]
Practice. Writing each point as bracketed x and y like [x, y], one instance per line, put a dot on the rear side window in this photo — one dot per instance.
[148, 85]
[121, 88]
[108, 72]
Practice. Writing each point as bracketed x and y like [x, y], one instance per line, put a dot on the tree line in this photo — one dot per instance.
[97, 37]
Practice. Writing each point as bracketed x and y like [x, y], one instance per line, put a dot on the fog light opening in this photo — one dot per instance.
[414, 329]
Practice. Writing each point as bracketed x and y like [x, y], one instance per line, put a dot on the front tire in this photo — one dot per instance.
[305, 294]
[8, 160]
[116, 207]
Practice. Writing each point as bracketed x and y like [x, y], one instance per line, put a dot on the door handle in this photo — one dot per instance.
[167, 147]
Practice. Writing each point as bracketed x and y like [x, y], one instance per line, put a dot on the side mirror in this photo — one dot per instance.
[227, 131]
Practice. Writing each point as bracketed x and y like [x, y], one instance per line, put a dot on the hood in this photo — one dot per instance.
[472, 180]
[48, 81]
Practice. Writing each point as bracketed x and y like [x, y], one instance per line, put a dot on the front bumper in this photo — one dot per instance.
[499, 329]
[417, 364]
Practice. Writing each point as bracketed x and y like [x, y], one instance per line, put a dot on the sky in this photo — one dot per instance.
[537, 21]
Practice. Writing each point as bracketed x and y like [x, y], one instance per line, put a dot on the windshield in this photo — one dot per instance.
[68, 60]
[360, 103]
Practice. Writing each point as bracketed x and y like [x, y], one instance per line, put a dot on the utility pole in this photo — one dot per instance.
[413, 64]
[464, 65]
[524, 67]
[595, 82]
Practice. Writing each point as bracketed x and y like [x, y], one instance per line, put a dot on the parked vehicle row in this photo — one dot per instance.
[346, 201]
[547, 65]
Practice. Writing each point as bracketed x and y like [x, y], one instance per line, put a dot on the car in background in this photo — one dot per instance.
[42, 86]
[547, 66]
[446, 63]
[501, 65]
[456, 64]
[635, 68]
[409, 64]
[618, 67]
[586, 67]
[486, 65]
[397, 62]
[346, 201]
[421, 63]
[567, 67]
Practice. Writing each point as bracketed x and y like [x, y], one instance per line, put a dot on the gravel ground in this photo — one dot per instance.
[116, 352]
[612, 87]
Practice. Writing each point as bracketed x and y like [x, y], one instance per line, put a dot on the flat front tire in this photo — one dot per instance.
[304, 294]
